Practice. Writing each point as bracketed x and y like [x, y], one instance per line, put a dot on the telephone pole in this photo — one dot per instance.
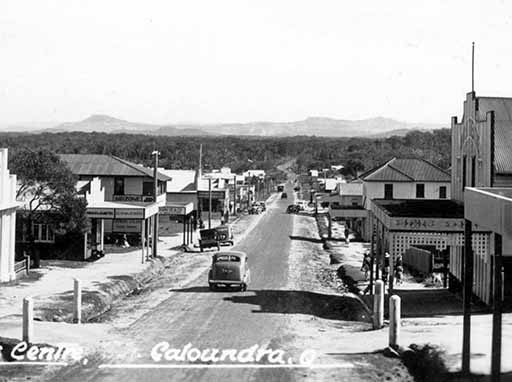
[155, 194]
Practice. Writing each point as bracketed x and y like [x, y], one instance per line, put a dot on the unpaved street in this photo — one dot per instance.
[229, 319]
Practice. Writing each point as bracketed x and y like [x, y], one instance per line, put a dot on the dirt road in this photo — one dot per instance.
[263, 316]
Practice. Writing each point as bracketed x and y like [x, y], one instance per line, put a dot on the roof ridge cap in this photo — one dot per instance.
[401, 172]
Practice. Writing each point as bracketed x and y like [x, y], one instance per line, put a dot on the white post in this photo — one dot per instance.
[28, 319]
[378, 305]
[102, 234]
[77, 302]
[394, 321]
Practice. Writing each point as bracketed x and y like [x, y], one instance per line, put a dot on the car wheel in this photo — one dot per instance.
[218, 247]
[212, 286]
[243, 288]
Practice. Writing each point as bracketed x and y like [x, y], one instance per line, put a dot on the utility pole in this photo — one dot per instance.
[155, 194]
[234, 202]
[467, 293]
[209, 203]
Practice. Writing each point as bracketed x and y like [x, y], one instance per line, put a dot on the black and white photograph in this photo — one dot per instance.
[255, 190]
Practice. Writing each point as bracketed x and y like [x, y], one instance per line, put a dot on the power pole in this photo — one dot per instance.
[467, 293]
[209, 203]
[155, 194]
[234, 202]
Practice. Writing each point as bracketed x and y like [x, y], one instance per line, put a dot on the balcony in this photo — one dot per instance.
[140, 199]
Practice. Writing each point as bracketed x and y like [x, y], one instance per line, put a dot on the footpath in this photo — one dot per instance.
[105, 282]
[430, 315]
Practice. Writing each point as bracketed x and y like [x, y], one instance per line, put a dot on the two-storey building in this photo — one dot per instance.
[406, 178]
[127, 189]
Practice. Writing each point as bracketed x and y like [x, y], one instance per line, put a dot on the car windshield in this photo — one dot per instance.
[228, 258]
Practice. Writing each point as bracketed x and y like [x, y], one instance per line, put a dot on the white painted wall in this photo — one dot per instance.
[8, 207]
[404, 190]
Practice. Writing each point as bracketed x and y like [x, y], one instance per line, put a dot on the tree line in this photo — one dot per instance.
[243, 153]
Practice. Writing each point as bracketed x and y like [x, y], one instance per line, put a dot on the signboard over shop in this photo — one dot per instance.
[129, 213]
[100, 213]
[426, 224]
[216, 194]
[166, 210]
[174, 209]
[128, 198]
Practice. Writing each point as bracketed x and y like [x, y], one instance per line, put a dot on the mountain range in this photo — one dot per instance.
[318, 126]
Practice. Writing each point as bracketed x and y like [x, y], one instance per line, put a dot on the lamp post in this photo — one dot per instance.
[155, 194]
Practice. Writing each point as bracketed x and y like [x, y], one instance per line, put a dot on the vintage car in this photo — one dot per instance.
[293, 209]
[224, 234]
[254, 210]
[209, 238]
[262, 205]
[284, 195]
[229, 268]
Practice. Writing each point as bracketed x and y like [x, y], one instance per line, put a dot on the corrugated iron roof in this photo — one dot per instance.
[501, 106]
[406, 170]
[106, 165]
[421, 208]
[503, 147]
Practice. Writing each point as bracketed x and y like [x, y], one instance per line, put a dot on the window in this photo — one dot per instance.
[388, 191]
[42, 233]
[118, 185]
[147, 188]
[420, 190]
[473, 171]
[442, 192]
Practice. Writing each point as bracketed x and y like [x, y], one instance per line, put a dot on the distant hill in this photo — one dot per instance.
[318, 126]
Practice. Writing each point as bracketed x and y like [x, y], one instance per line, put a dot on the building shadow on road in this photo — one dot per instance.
[336, 307]
[302, 238]
[329, 306]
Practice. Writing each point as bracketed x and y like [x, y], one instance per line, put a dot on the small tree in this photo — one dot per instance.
[47, 187]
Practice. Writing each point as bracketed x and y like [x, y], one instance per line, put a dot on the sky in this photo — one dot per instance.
[238, 61]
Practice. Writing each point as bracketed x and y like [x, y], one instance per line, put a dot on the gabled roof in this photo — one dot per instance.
[106, 165]
[406, 170]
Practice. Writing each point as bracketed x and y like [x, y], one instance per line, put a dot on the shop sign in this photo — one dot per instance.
[100, 213]
[129, 213]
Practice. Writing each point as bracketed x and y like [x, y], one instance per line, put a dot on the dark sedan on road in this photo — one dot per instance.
[229, 268]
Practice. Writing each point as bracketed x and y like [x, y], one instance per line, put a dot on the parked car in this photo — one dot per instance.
[262, 205]
[254, 210]
[229, 268]
[293, 209]
[224, 234]
[209, 238]
[284, 195]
